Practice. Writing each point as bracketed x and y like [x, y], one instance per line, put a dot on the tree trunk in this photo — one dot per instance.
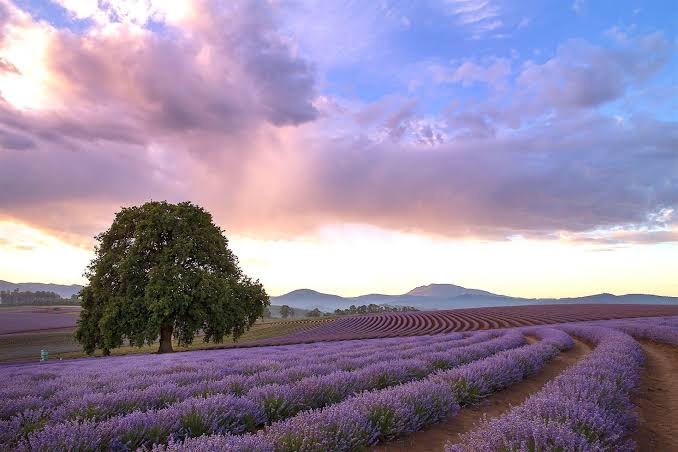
[166, 339]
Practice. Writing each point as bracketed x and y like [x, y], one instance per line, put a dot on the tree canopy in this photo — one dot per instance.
[286, 311]
[165, 270]
[40, 297]
[373, 308]
[315, 313]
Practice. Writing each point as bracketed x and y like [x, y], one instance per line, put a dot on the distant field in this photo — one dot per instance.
[398, 324]
[61, 344]
[601, 385]
[18, 319]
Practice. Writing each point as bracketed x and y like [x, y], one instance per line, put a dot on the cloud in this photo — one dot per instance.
[493, 72]
[578, 6]
[529, 184]
[219, 106]
[133, 113]
[131, 12]
[584, 75]
[341, 33]
[478, 16]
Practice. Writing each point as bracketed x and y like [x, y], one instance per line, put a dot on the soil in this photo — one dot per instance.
[435, 437]
[657, 399]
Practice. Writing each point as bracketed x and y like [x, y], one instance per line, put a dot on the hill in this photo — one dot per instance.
[428, 297]
[450, 296]
[65, 291]
[446, 291]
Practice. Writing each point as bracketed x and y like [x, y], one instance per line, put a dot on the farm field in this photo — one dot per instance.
[60, 343]
[34, 336]
[23, 319]
[26, 345]
[587, 385]
[398, 324]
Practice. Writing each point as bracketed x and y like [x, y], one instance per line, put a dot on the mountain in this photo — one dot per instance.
[309, 299]
[446, 291]
[450, 296]
[65, 291]
[429, 297]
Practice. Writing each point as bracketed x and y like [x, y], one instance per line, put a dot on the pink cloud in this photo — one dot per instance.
[220, 109]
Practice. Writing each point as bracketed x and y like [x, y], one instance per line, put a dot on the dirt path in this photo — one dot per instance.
[657, 399]
[434, 438]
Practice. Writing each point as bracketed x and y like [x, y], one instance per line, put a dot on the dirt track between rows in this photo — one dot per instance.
[435, 437]
[657, 399]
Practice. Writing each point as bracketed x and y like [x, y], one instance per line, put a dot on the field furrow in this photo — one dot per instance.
[657, 398]
[408, 389]
[435, 437]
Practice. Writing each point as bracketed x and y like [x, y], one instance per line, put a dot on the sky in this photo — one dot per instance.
[528, 148]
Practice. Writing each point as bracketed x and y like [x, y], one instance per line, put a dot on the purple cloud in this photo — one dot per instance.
[222, 109]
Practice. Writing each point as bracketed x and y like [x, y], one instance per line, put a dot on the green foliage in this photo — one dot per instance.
[385, 419]
[165, 266]
[17, 297]
[286, 311]
[314, 313]
[465, 392]
[373, 309]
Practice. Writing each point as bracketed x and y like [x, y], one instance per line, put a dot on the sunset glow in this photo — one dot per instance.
[463, 142]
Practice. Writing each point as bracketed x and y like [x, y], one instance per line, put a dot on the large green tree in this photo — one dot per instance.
[161, 271]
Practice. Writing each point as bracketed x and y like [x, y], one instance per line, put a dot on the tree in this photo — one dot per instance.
[314, 313]
[286, 311]
[18, 297]
[165, 270]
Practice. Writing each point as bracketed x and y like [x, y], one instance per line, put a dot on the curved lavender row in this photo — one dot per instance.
[664, 334]
[663, 321]
[472, 383]
[77, 404]
[80, 371]
[89, 372]
[663, 330]
[586, 408]
[434, 322]
[261, 405]
[282, 401]
[66, 387]
[554, 336]
[98, 406]
[159, 394]
[370, 417]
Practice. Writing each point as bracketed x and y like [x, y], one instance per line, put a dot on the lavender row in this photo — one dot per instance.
[586, 408]
[656, 333]
[370, 417]
[99, 376]
[657, 329]
[259, 406]
[100, 406]
[78, 402]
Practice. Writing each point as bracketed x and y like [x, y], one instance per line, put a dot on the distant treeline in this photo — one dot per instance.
[39, 298]
[373, 308]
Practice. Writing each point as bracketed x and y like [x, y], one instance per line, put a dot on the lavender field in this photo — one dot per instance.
[341, 395]
[37, 318]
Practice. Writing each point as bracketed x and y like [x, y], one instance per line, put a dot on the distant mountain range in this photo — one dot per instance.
[449, 296]
[429, 297]
[65, 291]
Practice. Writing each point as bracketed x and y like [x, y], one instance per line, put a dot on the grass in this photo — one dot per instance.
[61, 344]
